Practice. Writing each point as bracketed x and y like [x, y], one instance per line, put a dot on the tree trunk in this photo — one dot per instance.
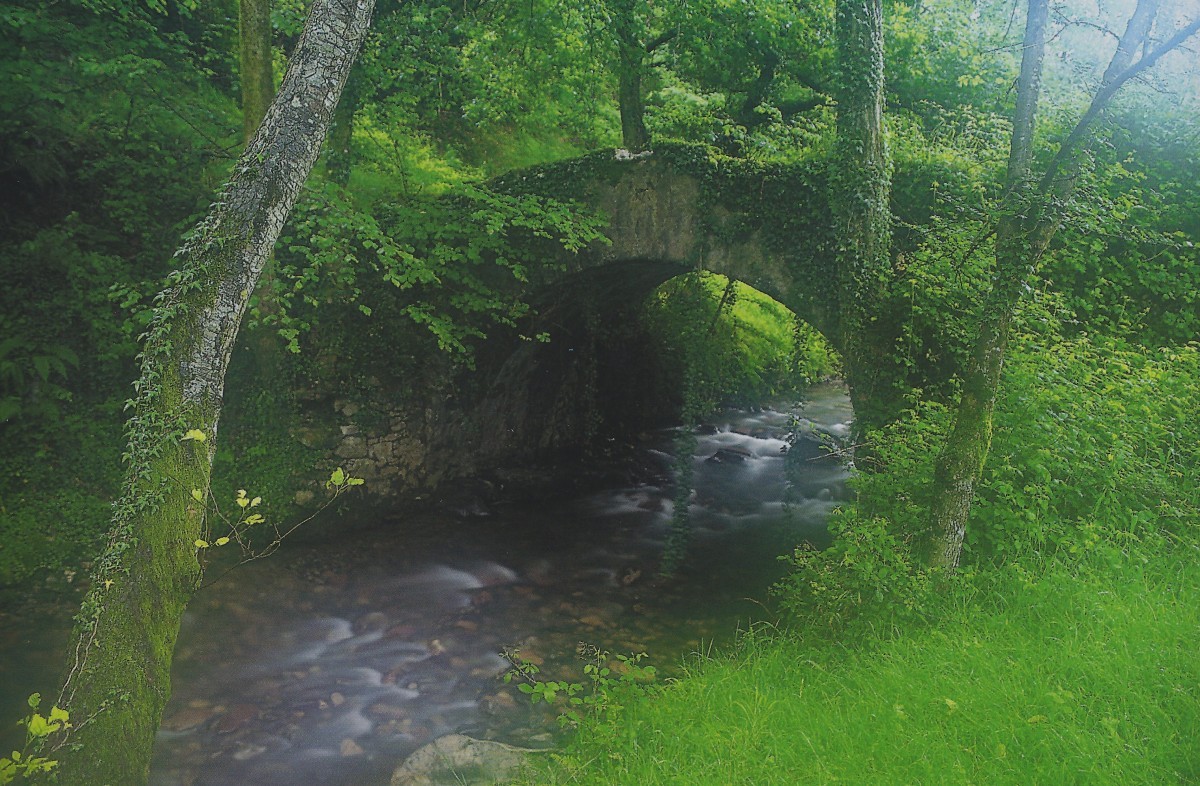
[860, 192]
[1029, 219]
[756, 94]
[634, 136]
[255, 58]
[960, 464]
[631, 63]
[339, 155]
[119, 664]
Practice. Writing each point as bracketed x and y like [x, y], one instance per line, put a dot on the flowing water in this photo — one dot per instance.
[331, 661]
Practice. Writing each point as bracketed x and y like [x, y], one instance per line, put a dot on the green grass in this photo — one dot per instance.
[1071, 681]
[742, 349]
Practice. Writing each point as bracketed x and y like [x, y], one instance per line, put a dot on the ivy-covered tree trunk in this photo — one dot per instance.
[860, 185]
[119, 664]
[1029, 217]
[255, 63]
[960, 464]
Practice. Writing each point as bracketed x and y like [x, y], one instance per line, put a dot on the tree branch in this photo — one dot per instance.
[659, 40]
[1120, 70]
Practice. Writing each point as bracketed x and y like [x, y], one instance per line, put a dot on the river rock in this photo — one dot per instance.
[593, 621]
[189, 717]
[729, 456]
[246, 752]
[239, 715]
[498, 702]
[458, 760]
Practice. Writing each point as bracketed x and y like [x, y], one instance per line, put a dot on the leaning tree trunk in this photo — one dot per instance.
[1029, 219]
[119, 664]
[960, 464]
[860, 193]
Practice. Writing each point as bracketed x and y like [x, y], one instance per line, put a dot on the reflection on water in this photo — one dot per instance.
[331, 661]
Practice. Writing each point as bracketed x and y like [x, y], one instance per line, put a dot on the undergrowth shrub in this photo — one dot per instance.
[1092, 466]
[1095, 448]
[872, 574]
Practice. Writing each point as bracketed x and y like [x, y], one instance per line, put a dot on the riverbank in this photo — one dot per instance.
[349, 649]
[1064, 652]
[1085, 676]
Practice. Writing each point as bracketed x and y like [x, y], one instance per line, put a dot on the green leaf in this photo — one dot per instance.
[198, 495]
[195, 434]
[38, 726]
[222, 541]
[338, 478]
[201, 544]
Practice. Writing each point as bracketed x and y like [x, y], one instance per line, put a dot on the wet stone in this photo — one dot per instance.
[352, 448]
[390, 711]
[245, 752]
[189, 717]
[501, 701]
[531, 656]
[593, 621]
[730, 456]
[239, 716]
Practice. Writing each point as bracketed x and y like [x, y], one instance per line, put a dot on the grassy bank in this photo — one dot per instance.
[1066, 652]
[1089, 679]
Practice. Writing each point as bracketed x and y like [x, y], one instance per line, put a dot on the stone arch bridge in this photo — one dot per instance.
[680, 209]
[676, 210]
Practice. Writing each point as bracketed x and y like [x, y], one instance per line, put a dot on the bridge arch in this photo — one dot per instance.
[678, 209]
[681, 207]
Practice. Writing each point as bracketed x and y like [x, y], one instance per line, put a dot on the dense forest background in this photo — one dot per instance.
[120, 120]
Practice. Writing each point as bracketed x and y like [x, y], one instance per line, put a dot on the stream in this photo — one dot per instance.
[337, 657]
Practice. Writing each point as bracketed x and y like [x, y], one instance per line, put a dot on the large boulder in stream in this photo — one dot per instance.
[459, 760]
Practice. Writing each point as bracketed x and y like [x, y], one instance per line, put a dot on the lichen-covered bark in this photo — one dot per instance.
[960, 464]
[860, 193]
[118, 669]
